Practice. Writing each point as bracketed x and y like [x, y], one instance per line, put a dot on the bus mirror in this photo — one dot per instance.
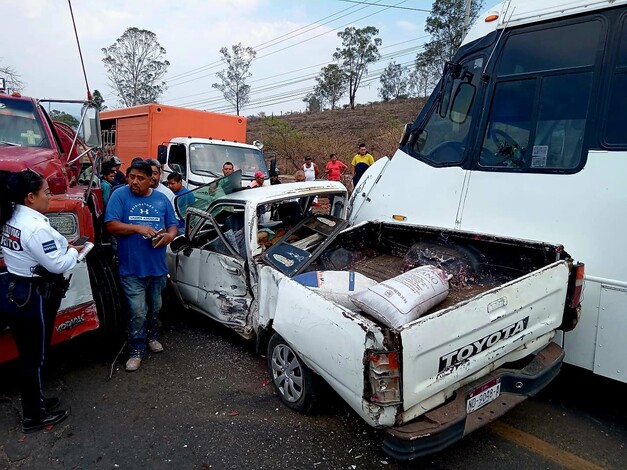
[460, 107]
[162, 154]
[91, 127]
[405, 136]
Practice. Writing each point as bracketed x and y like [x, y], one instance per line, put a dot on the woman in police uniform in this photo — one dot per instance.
[28, 244]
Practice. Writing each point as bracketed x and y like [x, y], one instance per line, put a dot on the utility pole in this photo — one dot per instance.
[467, 16]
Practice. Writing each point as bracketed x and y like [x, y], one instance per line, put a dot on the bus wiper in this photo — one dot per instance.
[12, 144]
[209, 172]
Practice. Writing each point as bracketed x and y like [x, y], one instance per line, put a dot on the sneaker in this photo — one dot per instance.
[31, 425]
[133, 364]
[155, 346]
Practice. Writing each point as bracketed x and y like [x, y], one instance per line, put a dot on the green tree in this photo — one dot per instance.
[12, 80]
[446, 26]
[233, 86]
[62, 116]
[332, 85]
[426, 75]
[98, 100]
[394, 82]
[135, 66]
[313, 103]
[359, 48]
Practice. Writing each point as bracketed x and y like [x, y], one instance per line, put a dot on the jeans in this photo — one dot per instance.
[143, 301]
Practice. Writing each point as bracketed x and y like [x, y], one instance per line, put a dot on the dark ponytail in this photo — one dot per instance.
[14, 187]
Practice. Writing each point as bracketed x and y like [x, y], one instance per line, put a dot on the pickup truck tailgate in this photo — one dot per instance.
[451, 347]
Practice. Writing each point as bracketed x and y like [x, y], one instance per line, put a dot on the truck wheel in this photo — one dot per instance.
[292, 379]
[107, 294]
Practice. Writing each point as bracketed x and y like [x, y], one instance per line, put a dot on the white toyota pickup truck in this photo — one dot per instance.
[484, 349]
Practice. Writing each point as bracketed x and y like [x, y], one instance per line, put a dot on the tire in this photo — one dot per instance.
[107, 294]
[291, 378]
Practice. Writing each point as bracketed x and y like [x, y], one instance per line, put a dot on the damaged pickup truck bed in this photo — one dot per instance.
[428, 383]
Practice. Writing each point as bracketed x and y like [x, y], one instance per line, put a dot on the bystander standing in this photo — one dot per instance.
[144, 223]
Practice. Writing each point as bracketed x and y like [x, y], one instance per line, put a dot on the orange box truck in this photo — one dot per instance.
[138, 131]
[191, 142]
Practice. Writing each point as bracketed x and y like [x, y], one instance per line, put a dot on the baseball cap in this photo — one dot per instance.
[259, 174]
[307, 157]
[116, 160]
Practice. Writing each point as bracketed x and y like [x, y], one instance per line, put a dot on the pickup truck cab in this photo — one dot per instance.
[428, 383]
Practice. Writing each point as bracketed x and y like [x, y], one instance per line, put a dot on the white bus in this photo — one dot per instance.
[526, 136]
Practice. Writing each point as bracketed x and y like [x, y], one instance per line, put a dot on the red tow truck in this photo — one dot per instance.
[66, 156]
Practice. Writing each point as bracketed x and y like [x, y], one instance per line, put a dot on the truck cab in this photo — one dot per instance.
[63, 154]
[200, 160]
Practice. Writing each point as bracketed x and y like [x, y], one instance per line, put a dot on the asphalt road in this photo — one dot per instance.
[205, 402]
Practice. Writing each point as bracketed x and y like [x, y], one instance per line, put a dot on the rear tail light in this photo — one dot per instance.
[575, 285]
[384, 376]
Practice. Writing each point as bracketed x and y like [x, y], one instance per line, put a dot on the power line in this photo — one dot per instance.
[291, 45]
[271, 77]
[265, 45]
[382, 5]
[299, 93]
[303, 78]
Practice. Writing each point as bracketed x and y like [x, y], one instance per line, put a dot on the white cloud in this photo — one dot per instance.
[407, 26]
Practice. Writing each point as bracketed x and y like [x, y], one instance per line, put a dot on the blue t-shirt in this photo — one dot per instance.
[183, 203]
[136, 254]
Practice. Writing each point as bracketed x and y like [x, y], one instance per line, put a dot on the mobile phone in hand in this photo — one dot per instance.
[80, 241]
[157, 237]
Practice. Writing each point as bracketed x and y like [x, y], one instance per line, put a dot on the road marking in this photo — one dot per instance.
[540, 447]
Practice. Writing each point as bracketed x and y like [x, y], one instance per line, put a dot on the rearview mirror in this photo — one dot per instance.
[162, 154]
[179, 244]
[91, 127]
[460, 107]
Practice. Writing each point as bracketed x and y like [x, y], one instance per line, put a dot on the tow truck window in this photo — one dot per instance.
[535, 123]
[20, 124]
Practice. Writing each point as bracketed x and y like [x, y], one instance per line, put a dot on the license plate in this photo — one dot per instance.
[483, 395]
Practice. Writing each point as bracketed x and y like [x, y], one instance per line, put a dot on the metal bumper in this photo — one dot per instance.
[448, 423]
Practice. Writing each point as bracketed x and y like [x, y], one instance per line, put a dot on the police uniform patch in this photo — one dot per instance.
[49, 246]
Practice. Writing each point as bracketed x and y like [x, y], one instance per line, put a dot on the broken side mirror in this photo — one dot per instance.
[179, 244]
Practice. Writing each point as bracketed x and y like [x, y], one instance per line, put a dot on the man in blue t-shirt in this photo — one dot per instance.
[175, 183]
[144, 223]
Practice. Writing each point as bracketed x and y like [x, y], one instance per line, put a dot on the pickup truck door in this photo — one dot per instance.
[211, 274]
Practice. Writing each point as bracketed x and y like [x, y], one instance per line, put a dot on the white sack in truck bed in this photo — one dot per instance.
[335, 286]
[406, 297]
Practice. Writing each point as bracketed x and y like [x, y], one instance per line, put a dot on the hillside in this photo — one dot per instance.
[291, 137]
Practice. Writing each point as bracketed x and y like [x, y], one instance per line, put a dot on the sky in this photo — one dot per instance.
[294, 39]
